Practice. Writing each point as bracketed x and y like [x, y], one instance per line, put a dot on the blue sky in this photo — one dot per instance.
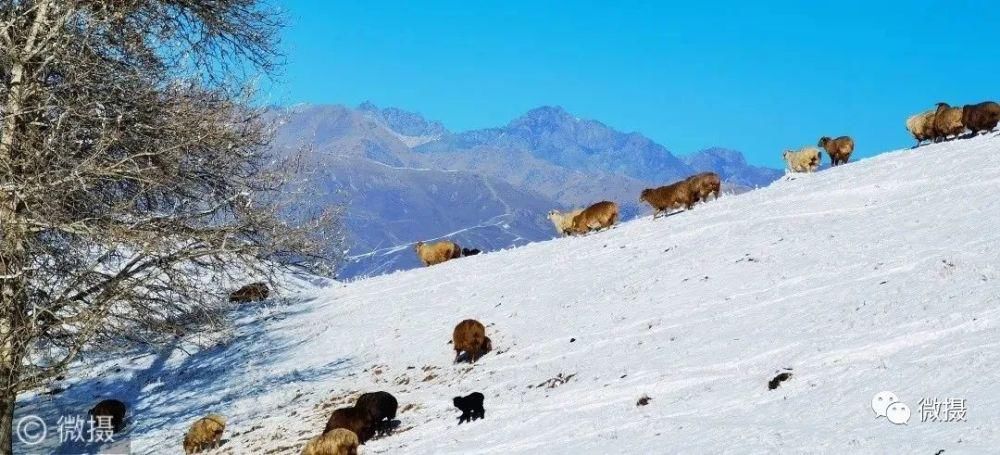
[689, 75]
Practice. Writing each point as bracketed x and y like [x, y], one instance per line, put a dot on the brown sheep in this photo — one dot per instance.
[252, 292]
[381, 406]
[206, 432]
[981, 117]
[339, 441]
[601, 215]
[470, 337]
[839, 149]
[705, 184]
[669, 197]
[921, 126]
[947, 122]
[355, 419]
[111, 410]
[436, 253]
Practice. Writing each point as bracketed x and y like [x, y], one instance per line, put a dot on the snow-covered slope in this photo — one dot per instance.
[879, 275]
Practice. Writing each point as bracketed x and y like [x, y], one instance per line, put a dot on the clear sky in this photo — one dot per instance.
[758, 77]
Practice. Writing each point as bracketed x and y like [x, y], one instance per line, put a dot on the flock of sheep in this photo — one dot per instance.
[945, 121]
[937, 124]
[808, 159]
[602, 215]
[373, 413]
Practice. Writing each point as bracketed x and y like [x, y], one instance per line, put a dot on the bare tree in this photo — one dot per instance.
[132, 162]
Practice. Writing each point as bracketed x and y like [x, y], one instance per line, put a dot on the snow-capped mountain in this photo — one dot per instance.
[392, 200]
[880, 275]
[405, 178]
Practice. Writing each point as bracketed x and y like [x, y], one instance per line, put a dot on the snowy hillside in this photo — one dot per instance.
[879, 275]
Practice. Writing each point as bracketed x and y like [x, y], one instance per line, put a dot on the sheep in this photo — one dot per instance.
[601, 215]
[252, 292]
[921, 126]
[111, 410]
[381, 406]
[981, 117]
[205, 432]
[839, 149]
[470, 252]
[806, 159]
[339, 441]
[471, 406]
[352, 418]
[666, 198]
[947, 122]
[470, 337]
[705, 184]
[436, 253]
[563, 221]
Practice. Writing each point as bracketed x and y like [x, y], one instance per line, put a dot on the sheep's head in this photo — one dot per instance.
[942, 106]
[645, 194]
[784, 155]
[418, 246]
[189, 445]
[823, 141]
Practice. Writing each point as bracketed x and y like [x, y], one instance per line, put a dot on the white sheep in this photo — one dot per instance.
[807, 159]
[436, 253]
[921, 126]
[563, 221]
[339, 441]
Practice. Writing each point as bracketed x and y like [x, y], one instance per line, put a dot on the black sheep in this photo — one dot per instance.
[113, 410]
[470, 252]
[381, 406]
[471, 406]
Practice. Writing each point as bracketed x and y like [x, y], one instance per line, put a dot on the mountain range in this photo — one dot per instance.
[404, 178]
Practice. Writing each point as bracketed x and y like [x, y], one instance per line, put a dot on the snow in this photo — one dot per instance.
[880, 275]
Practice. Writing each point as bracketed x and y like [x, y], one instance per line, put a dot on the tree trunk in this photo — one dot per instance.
[14, 279]
[7, 402]
[13, 298]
